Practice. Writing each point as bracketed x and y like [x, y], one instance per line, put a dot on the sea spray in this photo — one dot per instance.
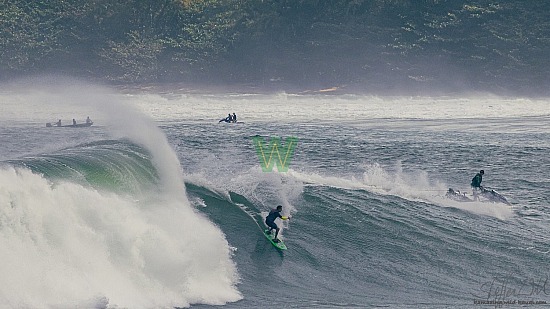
[69, 244]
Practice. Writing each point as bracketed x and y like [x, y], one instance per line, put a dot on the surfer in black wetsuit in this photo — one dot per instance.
[476, 184]
[234, 118]
[270, 221]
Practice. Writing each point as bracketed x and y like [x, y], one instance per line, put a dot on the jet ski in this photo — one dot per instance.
[485, 195]
[493, 196]
[458, 196]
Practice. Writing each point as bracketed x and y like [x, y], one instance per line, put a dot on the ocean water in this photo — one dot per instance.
[160, 206]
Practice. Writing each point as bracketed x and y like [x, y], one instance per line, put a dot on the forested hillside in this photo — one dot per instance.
[379, 46]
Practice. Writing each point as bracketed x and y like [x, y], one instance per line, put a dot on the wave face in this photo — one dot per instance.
[118, 166]
[96, 222]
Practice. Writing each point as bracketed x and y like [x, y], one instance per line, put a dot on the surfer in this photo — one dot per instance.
[58, 123]
[234, 118]
[88, 120]
[476, 184]
[74, 122]
[270, 221]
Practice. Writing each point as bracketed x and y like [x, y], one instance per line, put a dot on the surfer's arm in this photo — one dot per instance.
[285, 218]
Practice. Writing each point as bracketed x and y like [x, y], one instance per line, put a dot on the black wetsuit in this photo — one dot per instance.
[270, 219]
[476, 181]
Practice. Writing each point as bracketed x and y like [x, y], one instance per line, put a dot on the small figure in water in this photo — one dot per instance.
[88, 120]
[226, 119]
[74, 122]
[270, 221]
[476, 184]
[58, 123]
[234, 118]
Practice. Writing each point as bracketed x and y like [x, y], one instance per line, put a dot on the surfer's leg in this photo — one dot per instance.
[271, 226]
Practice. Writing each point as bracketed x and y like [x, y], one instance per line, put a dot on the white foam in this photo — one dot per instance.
[64, 244]
[280, 107]
[341, 109]
[67, 245]
[414, 186]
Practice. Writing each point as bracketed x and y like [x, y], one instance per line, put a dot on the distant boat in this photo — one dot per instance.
[78, 125]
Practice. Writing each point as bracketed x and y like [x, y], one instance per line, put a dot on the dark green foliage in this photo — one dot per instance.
[372, 44]
[129, 41]
[30, 32]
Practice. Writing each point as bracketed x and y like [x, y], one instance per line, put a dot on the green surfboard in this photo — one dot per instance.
[279, 245]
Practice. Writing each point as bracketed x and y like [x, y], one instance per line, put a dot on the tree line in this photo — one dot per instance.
[262, 41]
[126, 41]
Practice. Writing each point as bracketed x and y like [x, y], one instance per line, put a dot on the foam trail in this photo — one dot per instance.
[417, 186]
[414, 186]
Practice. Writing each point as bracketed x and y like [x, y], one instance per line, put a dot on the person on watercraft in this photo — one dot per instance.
[476, 184]
[234, 117]
[74, 122]
[58, 123]
[270, 221]
[88, 120]
[226, 119]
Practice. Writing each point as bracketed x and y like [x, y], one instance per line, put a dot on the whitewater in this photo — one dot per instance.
[157, 205]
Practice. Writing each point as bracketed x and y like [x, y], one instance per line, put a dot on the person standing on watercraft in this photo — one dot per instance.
[270, 221]
[476, 184]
